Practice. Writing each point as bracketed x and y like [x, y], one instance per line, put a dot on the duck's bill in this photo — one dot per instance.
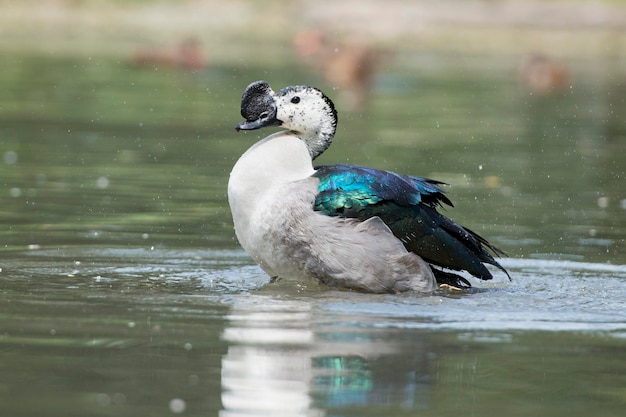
[258, 123]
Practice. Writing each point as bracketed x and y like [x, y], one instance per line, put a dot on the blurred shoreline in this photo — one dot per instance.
[236, 32]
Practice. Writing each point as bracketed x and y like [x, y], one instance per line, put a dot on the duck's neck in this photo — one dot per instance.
[319, 138]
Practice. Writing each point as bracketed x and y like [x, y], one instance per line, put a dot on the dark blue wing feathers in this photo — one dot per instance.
[408, 205]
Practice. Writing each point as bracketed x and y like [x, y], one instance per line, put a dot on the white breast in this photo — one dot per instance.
[257, 184]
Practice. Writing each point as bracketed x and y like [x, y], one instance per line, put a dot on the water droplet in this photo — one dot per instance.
[10, 157]
[603, 202]
[102, 183]
[177, 405]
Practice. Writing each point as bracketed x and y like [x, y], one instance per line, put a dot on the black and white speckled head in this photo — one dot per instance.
[304, 110]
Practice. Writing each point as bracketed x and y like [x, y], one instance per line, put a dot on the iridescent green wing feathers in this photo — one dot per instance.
[343, 187]
[408, 205]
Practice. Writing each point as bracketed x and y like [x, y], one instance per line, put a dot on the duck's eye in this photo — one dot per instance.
[264, 115]
[295, 100]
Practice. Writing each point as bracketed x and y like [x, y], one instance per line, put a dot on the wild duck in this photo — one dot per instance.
[186, 55]
[542, 75]
[340, 225]
[349, 66]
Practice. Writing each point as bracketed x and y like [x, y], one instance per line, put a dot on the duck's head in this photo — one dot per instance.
[305, 111]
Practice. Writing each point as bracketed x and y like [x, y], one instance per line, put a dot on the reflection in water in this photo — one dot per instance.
[281, 362]
[267, 368]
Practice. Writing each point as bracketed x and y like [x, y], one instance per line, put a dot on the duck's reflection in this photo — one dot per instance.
[284, 360]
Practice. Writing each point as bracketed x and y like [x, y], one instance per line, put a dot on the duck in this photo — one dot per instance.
[542, 75]
[186, 55]
[341, 226]
[350, 66]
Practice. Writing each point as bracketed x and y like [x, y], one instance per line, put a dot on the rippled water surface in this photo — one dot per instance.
[124, 292]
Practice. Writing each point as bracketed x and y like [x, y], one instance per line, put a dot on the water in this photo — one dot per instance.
[124, 292]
